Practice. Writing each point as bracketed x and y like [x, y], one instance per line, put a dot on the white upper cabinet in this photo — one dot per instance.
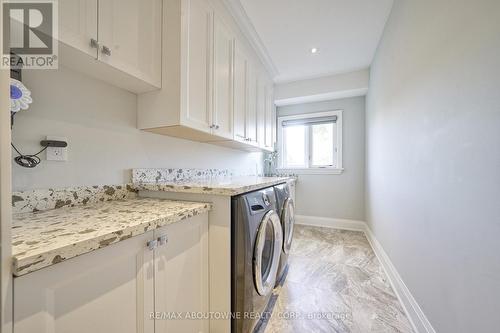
[261, 109]
[270, 118]
[210, 79]
[223, 80]
[197, 112]
[251, 125]
[130, 37]
[123, 35]
[209, 72]
[78, 24]
[240, 93]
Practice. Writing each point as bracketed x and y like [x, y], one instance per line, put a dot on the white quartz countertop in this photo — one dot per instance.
[219, 186]
[45, 238]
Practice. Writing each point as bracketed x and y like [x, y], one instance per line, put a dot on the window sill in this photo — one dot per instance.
[311, 171]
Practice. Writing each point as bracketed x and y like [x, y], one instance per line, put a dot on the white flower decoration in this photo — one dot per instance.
[20, 96]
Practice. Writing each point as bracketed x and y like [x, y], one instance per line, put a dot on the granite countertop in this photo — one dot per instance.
[219, 186]
[45, 238]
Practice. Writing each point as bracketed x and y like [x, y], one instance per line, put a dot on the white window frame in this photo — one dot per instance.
[336, 170]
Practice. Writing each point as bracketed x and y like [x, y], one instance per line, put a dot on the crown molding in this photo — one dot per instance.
[247, 28]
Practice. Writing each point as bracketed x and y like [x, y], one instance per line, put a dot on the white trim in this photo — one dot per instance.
[311, 171]
[322, 97]
[337, 154]
[247, 28]
[415, 315]
[317, 221]
[321, 75]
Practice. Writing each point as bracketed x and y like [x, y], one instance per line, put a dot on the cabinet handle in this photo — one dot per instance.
[216, 126]
[94, 43]
[212, 126]
[162, 240]
[106, 50]
[152, 244]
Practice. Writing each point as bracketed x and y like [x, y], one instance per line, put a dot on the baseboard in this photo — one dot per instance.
[330, 222]
[415, 314]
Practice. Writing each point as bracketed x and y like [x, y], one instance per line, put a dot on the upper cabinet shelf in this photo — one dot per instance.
[214, 88]
[117, 41]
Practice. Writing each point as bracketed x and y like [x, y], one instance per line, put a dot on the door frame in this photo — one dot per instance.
[5, 198]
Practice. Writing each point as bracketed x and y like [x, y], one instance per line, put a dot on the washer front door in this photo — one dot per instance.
[267, 252]
[288, 221]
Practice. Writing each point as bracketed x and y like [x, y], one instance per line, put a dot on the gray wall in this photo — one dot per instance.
[433, 157]
[336, 196]
[99, 122]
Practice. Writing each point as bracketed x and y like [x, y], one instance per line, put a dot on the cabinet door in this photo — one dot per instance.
[274, 119]
[197, 49]
[240, 93]
[131, 31]
[78, 24]
[181, 276]
[269, 122]
[108, 290]
[223, 80]
[252, 104]
[261, 110]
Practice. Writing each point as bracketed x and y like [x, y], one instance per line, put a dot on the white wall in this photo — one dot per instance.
[433, 157]
[336, 196]
[99, 122]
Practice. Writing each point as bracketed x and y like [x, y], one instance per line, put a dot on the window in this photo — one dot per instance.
[311, 143]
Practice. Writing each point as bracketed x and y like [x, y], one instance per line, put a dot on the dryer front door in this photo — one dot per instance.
[288, 221]
[267, 250]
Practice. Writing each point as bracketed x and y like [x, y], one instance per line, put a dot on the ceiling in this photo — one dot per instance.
[345, 32]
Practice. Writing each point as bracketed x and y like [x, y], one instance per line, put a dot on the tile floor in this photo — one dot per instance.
[335, 284]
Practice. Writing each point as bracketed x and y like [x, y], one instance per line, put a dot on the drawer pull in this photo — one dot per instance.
[152, 244]
[162, 240]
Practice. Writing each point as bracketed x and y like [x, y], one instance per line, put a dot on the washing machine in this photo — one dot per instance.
[256, 243]
[286, 211]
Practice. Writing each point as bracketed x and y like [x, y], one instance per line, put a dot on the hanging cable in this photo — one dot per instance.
[27, 161]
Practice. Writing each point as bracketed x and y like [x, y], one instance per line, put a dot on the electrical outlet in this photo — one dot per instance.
[57, 153]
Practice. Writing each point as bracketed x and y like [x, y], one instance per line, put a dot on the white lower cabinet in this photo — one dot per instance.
[181, 273]
[123, 288]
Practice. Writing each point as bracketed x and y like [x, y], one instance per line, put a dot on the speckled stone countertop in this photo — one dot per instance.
[219, 186]
[45, 238]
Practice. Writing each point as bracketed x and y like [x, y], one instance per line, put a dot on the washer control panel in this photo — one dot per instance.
[259, 201]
